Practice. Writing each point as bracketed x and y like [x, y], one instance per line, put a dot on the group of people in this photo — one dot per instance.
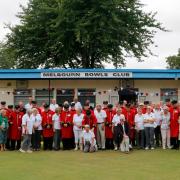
[122, 126]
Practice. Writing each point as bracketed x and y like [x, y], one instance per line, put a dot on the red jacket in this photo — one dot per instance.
[108, 123]
[15, 125]
[174, 125]
[47, 122]
[66, 120]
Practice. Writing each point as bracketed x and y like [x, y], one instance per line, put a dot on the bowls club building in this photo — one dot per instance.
[97, 85]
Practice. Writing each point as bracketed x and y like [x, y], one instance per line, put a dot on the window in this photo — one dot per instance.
[42, 95]
[65, 95]
[22, 95]
[169, 93]
[87, 94]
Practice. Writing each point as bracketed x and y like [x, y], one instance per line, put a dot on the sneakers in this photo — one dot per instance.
[147, 148]
[152, 148]
[21, 150]
[29, 151]
[76, 148]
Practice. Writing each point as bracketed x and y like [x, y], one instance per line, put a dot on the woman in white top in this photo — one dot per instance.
[165, 129]
[139, 126]
[37, 128]
[149, 125]
[77, 128]
[27, 128]
[118, 117]
[56, 129]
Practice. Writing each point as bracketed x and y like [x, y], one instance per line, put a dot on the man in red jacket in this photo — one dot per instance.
[108, 127]
[15, 126]
[130, 115]
[9, 112]
[90, 119]
[67, 135]
[174, 125]
[47, 125]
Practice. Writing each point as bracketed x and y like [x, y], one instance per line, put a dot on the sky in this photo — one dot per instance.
[167, 43]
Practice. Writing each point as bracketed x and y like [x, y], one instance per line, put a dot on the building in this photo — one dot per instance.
[96, 85]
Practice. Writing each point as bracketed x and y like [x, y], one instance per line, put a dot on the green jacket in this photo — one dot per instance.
[4, 122]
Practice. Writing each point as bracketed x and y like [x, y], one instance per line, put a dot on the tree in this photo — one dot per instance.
[7, 60]
[174, 61]
[81, 33]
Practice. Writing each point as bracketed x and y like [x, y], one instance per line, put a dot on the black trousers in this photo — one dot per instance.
[174, 143]
[109, 143]
[140, 138]
[158, 137]
[48, 142]
[36, 140]
[8, 144]
[117, 135]
[15, 144]
[68, 143]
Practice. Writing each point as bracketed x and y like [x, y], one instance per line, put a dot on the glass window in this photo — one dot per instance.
[22, 95]
[65, 95]
[87, 94]
[42, 96]
[169, 93]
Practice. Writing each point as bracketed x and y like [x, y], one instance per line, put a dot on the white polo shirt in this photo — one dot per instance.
[37, 121]
[117, 119]
[100, 116]
[139, 120]
[158, 116]
[88, 136]
[56, 121]
[165, 121]
[77, 120]
[52, 107]
[149, 116]
[27, 121]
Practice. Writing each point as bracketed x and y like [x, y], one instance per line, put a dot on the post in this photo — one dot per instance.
[49, 91]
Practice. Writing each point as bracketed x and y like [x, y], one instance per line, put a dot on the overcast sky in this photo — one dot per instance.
[167, 43]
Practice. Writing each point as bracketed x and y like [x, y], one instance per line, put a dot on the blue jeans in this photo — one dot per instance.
[149, 134]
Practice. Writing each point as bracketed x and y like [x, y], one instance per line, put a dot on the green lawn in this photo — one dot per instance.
[67, 165]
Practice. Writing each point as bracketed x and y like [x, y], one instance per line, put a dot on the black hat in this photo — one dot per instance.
[34, 102]
[3, 103]
[110, 106]
[105, 102]
[46, 106]
[10, 106]
[17, 106]
[174, 102]
[72, 104]
[88, 112]
[60, 105]
[167, 100]
[66, 106]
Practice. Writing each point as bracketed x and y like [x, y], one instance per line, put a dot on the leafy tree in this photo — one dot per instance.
[7, 60]
[174, 61]
[81, 33]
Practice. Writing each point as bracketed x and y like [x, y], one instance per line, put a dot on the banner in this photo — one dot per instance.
[86, 75]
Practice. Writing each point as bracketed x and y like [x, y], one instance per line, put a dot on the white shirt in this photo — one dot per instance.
[56, 121]
[28, 122]
[139, 120]
[149, 116]
[165, 121]
[100, 116]
[53, 107]
[117, 119]
[77, 120]
[158, 116]
[37, 121]
[28, 106]
[78, 106]
[89, 136]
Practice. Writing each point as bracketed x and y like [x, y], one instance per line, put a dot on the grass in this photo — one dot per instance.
[102, 165]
